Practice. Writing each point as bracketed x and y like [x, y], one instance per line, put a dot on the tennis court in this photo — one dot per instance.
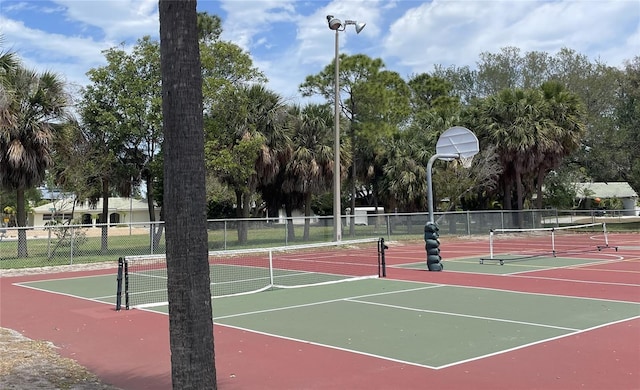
[569, 318]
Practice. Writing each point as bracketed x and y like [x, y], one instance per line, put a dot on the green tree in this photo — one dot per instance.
[567, 114]
[37, 102]
[513, 121]
[248, 146]
[376, 102]
[627, 114]
[188, 280]
[8, 64]
[532, 131]
[309, 171]
[404, 176]
[122, 111]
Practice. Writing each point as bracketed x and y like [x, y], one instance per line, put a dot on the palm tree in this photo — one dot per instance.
[508, 120]
[268, 118]
[532, 130]
[310, 169]
[8, 64]
[188, 280]
[37, 102]
[404, 175]
[567, 114]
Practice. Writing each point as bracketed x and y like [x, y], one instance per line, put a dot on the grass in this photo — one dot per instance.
[42, 251]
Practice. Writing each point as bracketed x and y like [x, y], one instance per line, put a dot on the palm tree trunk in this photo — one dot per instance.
[188, 279]
[291, 233]
[307, 214]
[539, 195]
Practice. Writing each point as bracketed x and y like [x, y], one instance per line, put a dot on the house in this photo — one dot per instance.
[610, 190]
[121, 210]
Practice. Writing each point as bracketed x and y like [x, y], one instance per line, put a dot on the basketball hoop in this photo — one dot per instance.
[455, 143]
[466, 161]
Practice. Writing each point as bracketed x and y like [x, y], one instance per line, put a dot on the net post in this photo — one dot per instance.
[491, 243]
[604, 230]
[119, 284]
[382, 263]
[126, 283]
[271, 280]
[553, 241]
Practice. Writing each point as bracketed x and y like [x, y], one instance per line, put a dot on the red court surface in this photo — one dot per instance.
[130, 349]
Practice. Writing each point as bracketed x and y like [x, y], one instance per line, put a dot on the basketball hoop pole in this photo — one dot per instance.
[429, 183]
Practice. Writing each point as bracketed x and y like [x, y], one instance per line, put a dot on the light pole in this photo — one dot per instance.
[337, 25]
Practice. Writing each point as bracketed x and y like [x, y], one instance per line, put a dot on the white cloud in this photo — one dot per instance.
[455, 32]
[69, 56]
[289, 39]
[119, 20]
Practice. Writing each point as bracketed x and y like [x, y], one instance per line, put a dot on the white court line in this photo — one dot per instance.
[410, 363]
[324, 302]
[355, 300]
[580, 281]
[61, 293]
[452, 314]
[536, 343]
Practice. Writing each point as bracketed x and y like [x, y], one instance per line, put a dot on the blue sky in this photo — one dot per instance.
[289, 40]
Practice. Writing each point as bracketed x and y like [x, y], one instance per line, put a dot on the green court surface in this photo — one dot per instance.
[422, 324]
[472, 264]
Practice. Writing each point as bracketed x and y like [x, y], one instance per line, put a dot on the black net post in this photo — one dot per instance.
[382, 263]
[119, 284]
[126, 284]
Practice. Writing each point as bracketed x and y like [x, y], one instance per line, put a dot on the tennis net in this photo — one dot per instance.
[509, 245]
[143, 279]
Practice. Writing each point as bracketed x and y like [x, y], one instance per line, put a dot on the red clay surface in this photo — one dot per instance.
[130, 349]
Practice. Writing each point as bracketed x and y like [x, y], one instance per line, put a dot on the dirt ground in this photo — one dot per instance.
[27, 364]
[33, 364]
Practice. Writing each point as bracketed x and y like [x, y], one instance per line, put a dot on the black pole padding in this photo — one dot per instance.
[119, 284]
[432, 246]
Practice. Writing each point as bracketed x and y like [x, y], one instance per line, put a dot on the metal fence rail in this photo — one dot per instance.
[75, 244]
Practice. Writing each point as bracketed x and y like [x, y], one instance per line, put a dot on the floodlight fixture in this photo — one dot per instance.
[334, 23]
[359, 25]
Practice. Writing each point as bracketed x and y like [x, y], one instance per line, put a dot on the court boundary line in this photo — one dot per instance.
[527, 292]
[587, 263]
[520, 274]
[440, 367]
[543, 341]
[430, 286]
[578, 281]
[425, 287]
[96, 299]
[453, 314]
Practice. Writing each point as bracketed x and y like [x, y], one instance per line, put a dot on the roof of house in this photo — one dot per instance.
[606, 190]
[115, 204]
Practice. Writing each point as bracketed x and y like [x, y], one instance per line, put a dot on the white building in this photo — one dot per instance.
[121, 210]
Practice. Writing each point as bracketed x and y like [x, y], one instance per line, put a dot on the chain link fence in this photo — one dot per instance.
[61, 244]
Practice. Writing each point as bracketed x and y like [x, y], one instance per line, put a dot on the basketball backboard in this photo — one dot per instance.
[458, 141]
